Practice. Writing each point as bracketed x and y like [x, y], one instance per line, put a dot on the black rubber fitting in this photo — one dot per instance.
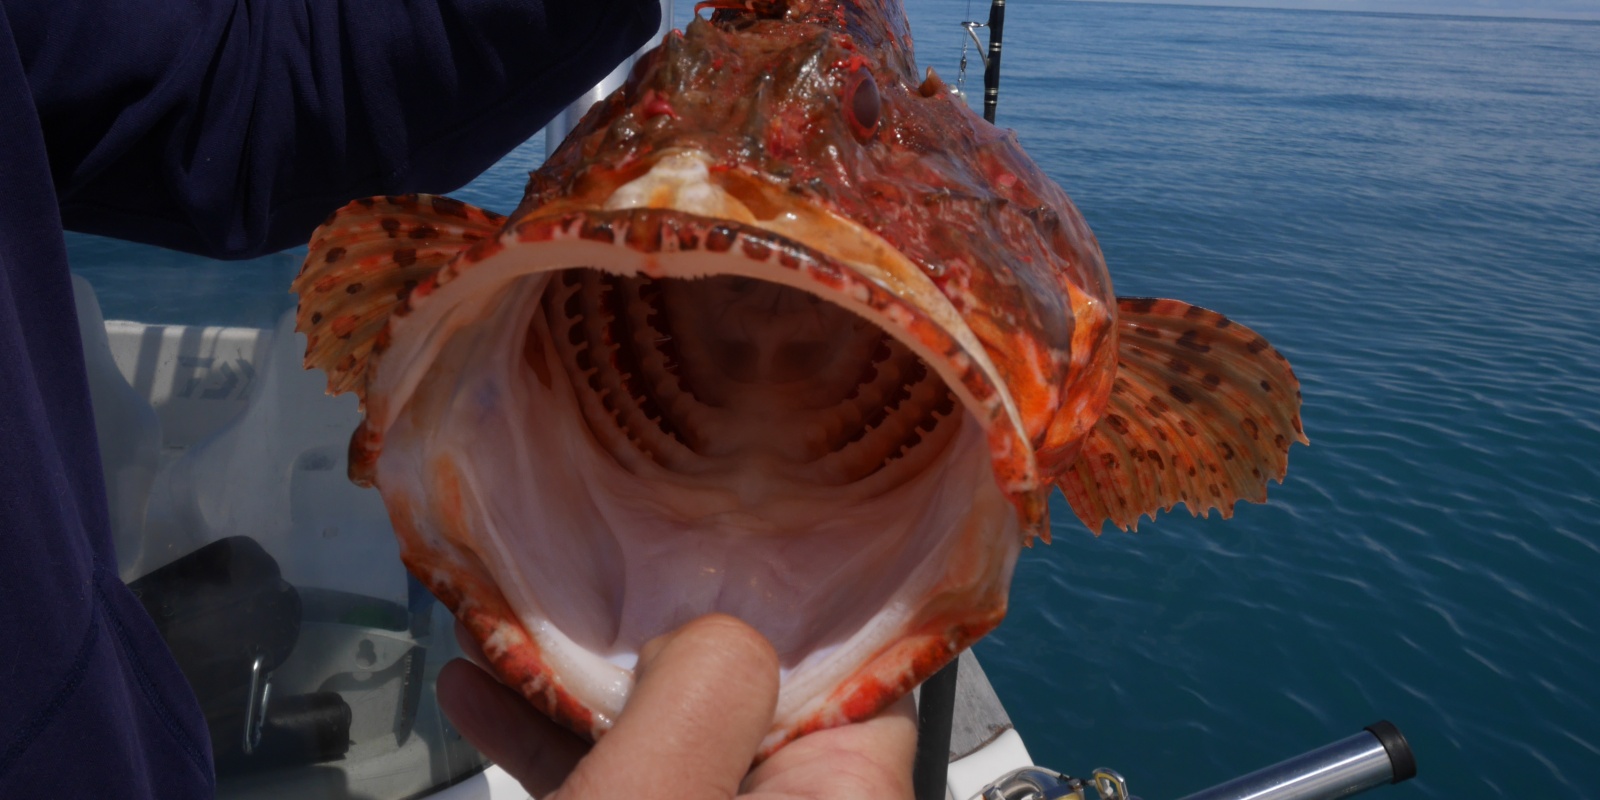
[1401, 760]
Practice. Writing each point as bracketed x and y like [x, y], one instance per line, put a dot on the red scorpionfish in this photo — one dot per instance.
[783, 330]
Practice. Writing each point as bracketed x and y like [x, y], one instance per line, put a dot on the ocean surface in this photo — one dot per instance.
[1409, 208]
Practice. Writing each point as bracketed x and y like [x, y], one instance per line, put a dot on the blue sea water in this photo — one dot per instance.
[1409, 208]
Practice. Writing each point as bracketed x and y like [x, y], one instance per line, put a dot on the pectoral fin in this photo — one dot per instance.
[364, 263]
[1202, 411]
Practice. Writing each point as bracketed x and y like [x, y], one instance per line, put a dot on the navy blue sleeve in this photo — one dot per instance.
[231, 129]
[228, 129]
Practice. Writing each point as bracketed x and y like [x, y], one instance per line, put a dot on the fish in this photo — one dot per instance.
[781, 330]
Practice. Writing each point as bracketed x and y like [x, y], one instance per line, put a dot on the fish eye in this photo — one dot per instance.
[862, 105]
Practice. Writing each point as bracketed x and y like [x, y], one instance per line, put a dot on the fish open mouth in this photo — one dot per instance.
[611, 421]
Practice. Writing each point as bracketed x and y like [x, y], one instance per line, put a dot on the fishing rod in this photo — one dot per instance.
[988, 54]
[991, 65]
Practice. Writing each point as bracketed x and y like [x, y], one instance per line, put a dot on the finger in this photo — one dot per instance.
[503, 726]
[702, 701]
[866, 760]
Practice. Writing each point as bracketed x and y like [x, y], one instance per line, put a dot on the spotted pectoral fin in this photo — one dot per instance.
[364, 262]
[1202, 411]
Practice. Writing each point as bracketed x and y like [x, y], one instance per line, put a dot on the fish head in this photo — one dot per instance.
[782, 330]
[808, 120]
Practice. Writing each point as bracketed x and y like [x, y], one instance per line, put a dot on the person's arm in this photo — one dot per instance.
[232, 128]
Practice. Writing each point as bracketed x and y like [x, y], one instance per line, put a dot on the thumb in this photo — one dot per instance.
[703, 700]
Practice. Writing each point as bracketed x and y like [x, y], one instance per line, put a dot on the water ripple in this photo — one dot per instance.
[1404, 205]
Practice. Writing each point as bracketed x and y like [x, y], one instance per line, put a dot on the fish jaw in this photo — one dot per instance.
[474, 442]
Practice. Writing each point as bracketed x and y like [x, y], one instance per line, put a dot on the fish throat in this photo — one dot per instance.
[632, 451]
[741, 383]
[750, 449]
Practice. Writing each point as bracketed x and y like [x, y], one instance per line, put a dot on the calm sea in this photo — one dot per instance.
[1409, 208]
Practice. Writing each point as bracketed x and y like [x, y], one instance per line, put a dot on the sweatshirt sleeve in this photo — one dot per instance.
[231, 128]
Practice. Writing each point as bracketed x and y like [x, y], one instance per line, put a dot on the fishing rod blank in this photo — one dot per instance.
[1367, 760]
[991, 65]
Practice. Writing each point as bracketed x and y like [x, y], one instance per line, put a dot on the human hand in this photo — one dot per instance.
[703, 697]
